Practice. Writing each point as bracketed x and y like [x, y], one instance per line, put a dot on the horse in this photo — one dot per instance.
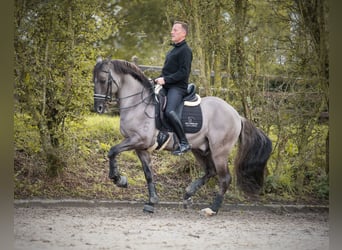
[222, 128]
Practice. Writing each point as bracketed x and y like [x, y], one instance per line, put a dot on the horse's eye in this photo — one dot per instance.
[102, 81]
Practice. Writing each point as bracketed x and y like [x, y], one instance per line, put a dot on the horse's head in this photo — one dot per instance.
[113, 76]
[105, 86]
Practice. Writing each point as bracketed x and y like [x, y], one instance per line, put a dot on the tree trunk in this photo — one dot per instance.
[314, 15]
[240, 66]
[199, 47]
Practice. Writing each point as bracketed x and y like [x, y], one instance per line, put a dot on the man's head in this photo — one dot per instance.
[179, 31]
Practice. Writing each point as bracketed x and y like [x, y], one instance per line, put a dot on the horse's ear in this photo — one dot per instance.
[98, 59]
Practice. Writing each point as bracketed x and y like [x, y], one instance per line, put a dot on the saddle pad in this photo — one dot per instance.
[192, 118]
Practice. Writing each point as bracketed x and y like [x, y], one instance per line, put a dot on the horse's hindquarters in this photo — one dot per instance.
[221, 125]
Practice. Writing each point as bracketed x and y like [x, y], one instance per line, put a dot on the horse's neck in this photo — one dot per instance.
[132, 95]
[136, 112]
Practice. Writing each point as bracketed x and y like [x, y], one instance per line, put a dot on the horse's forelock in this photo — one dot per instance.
[98, 66]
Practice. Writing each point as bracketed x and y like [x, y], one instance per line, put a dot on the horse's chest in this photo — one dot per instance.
[136, 125]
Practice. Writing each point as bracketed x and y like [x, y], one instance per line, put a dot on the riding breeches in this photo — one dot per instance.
[174, 99]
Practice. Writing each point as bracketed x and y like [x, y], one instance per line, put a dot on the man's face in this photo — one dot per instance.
[177, 33]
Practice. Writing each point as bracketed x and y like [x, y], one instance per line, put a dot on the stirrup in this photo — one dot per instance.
[162, 139]
[182, 148]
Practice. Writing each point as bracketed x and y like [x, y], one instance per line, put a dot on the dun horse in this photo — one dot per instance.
[222, 127]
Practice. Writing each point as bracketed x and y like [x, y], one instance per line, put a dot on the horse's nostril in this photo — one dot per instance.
[99, 109]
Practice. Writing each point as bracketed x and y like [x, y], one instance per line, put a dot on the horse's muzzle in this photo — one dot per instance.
[100, 102]
[100, 109]
[99, 106]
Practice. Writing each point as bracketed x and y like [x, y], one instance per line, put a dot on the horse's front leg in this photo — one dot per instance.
[145, 158]
[114, 174]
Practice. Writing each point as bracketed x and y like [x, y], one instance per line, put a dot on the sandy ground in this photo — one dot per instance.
[127, 227]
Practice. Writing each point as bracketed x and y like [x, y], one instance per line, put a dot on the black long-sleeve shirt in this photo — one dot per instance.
[177, 66]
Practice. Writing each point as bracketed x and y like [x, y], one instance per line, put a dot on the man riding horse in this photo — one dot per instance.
[174, 79]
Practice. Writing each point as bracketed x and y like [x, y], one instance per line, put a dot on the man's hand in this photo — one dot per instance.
[160, 80]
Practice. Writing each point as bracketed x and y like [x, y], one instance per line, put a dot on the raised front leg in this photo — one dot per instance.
[145, 158]
[114, 174]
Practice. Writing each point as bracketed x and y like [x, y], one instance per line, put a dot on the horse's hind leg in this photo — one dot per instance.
[145, 159]
[209, 169]
[224, 179]
[221, 164]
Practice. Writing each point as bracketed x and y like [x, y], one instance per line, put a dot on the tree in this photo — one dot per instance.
[56, 43]
[142, 31]
[240, 65]
[313, 15]
[303, 57]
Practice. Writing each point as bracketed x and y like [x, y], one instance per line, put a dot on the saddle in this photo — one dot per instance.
[189, 111]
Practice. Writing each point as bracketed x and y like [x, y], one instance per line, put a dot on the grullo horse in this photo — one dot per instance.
[222, 128]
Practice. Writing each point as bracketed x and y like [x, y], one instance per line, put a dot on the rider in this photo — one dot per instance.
[174, 79]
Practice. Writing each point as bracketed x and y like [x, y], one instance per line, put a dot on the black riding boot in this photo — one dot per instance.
[178, 128]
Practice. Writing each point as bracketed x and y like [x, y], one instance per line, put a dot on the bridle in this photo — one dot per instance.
[108, 97]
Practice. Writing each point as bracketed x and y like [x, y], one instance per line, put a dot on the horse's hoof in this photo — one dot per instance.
[148, 208]
[154, 200]
[187, 203]
[122, 182]
[208, 211]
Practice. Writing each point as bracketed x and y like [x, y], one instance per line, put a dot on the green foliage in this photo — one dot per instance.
[142, 32]
[26, 134]
[297, 166]
[321, 187]
[55, 48]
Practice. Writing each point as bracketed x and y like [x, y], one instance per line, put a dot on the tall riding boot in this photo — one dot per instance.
[178, 128]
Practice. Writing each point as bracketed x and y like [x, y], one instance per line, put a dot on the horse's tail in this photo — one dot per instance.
[254, 151]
